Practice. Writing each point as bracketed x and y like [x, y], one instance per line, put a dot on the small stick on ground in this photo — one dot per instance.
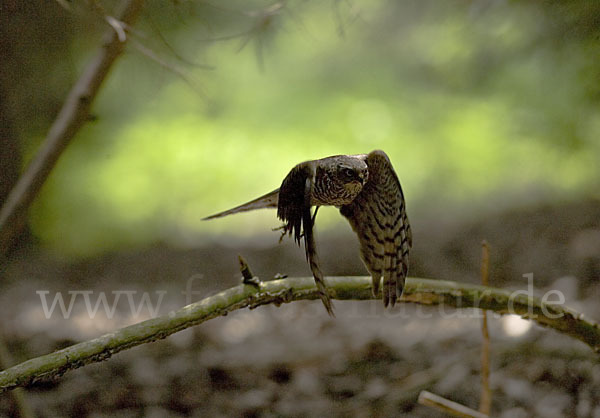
[456, 409]
[486, 393]
[444, 405]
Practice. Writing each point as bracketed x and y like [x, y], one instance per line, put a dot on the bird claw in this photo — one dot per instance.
[284, 231]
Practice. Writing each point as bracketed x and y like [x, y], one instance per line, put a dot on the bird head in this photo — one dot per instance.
[353, 174]
[339, 179]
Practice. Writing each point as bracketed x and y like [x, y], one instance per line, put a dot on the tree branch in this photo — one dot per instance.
[423, 291]
[74, 113]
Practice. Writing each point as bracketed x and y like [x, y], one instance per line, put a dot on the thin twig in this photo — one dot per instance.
[73, 115]
[444, 405]
[174, 68]
[454, 408]
[423, 291]
[485, 401]
[170, 47]
[245, 269]
[247, 276]
[118, 26]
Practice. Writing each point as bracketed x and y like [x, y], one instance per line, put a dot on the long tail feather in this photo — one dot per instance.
[267, 201]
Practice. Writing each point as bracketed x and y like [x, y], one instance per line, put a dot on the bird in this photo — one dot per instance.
[367, 191]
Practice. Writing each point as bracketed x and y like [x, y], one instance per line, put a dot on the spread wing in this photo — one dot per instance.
[294, 200]
[267, 201]
[378, 216]
[294, 210]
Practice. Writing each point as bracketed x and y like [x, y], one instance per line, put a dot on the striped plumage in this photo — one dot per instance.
[338, 180]
[368, 193]
[378, 216]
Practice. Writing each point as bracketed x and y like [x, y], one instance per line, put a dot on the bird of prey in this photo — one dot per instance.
[367, 191]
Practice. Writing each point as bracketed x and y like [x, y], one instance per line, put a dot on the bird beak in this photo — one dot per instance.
[363, 178]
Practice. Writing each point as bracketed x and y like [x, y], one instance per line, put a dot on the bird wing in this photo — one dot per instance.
[294, 199]
[267, 201]
[294, 210]
[378, 216]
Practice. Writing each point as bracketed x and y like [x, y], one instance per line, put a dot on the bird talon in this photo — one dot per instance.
[285, 230]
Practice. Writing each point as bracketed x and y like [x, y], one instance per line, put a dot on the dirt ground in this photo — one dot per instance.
[296, 361]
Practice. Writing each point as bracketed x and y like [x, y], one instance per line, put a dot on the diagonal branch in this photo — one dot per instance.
[74, 113]
[423, 291]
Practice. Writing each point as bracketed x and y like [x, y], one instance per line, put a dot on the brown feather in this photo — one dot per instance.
[368, 193]
[378, 216]
[267, 201]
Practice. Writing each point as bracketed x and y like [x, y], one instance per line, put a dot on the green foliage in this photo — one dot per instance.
[475, 106]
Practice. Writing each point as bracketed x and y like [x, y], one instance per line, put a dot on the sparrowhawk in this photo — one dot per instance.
[367, 191]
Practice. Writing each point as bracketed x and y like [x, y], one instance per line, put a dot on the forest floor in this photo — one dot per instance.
[294, 360]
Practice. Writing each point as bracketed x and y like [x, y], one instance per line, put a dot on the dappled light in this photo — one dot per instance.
[123, 129]
[462, 121]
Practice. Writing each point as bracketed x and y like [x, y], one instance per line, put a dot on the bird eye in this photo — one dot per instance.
[348, 173]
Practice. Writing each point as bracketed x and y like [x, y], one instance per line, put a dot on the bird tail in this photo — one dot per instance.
[267, 201]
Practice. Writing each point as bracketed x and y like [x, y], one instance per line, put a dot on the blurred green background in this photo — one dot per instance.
[488, 109]
[480, 105]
